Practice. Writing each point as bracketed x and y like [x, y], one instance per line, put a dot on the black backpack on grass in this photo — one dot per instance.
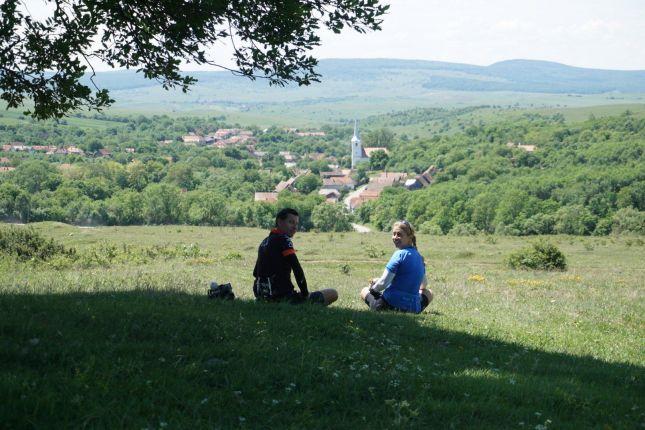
[222, 292]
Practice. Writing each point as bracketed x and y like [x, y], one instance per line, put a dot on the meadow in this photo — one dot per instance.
[125, 337]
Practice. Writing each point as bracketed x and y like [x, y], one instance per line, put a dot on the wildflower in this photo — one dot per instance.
[571, 278]
[477, 278]
[534, 283]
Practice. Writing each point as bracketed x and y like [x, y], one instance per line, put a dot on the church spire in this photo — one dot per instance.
[357, 148]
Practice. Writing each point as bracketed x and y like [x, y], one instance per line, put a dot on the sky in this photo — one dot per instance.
[608, 34]
[604, 34]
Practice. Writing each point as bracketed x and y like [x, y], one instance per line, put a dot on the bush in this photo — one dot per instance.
[628, 220]
[430, 227]
[27, 244]
[603, 227]
[575, 219]
[465, 229]
[541, 255]
[538, 224]
[373, 252]
[331, 217]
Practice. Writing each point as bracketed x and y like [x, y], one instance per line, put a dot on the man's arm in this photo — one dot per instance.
[298, 273]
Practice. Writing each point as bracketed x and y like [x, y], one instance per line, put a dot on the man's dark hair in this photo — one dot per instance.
[284, 213]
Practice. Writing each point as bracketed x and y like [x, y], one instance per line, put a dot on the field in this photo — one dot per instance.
[125, 336]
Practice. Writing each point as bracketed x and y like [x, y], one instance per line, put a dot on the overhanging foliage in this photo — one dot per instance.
[44, 61]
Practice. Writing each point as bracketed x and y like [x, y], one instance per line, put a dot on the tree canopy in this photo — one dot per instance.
[45, 60]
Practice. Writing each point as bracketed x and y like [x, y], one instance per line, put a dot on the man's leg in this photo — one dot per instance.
[324, 297]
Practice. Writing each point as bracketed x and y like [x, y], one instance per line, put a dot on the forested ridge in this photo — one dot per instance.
[585, 178]
[582, 178]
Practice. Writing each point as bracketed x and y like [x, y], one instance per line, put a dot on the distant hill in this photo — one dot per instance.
[512, 75]
[351, 88]
[544, 77]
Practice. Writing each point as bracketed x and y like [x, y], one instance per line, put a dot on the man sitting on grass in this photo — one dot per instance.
[276, 259]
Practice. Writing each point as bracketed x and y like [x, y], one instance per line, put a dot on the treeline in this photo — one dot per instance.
[161, 182]
[145, 134]
[108, 193]
[583, 179]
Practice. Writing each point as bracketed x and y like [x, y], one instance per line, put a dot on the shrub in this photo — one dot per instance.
[27, 244]
[575, 219]
[345, 269]
[234, 255]
[538, 224]
[541, 255]
[331, 217]
[430, 227]
[489, 238]
[603, 227]
[628, 220]
[465, 229]
[373, 252]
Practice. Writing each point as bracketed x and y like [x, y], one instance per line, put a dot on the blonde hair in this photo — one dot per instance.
[407, 228]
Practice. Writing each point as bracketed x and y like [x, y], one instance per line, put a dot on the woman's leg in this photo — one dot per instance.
[375, 301]
[426, 297]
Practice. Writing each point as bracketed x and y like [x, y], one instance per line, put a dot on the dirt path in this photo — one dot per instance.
[361, 228]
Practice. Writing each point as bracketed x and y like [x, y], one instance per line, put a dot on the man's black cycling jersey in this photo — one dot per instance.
[276, 259]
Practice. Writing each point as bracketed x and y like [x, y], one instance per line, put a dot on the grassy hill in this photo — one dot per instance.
[125, 337]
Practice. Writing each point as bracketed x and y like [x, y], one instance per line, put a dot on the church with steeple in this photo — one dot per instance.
[358, 153]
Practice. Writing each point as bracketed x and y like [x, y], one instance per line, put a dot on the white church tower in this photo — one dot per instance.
[358, 154]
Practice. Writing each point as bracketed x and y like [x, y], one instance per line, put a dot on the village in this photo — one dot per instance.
[338, 184]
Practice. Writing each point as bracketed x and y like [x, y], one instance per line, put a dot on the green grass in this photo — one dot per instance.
[138, 345]
[313, 106]
[16, 117]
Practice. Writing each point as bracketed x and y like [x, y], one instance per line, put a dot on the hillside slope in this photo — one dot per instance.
[358, 88]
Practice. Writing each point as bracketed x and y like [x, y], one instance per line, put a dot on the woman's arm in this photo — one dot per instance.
[383, 282]
[424, 282]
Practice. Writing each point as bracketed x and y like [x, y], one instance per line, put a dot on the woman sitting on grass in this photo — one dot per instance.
[402, 285]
